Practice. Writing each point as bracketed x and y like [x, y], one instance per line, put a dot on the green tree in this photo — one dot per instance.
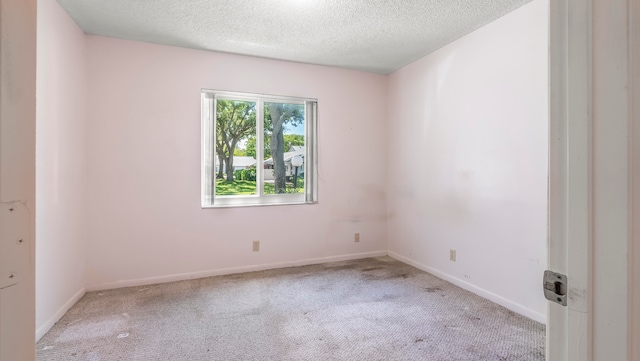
[277, 115]
[251, 148]
[291, 140]
[235, 120]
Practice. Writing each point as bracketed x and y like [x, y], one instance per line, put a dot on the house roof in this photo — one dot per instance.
[295, 150]
[242, 161]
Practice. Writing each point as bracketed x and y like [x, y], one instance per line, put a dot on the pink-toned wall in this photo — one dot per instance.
[468, 133]
[143, 151]
[61, 180]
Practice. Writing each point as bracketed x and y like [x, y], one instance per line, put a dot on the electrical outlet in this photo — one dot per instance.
[452, 255]
[256, 246]
[356, 237]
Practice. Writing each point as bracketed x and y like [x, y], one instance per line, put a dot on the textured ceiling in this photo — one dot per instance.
[372, 35]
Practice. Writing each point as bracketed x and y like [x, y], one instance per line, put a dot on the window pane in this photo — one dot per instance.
[284, 148]
[235, 160]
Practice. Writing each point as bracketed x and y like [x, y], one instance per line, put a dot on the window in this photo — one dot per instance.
[257, 149]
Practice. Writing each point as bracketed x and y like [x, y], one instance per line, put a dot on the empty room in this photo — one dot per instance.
[297, 180]
[436, 161]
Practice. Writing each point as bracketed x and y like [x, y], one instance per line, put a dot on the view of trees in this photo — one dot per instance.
[236, 124]
[290, 140]
[275, 118]
[235, 120]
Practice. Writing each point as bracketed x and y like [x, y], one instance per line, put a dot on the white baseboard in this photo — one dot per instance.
[517, 308]
[42, 330]
[227, 271]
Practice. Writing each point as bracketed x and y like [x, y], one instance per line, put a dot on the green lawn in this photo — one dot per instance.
[240, 187]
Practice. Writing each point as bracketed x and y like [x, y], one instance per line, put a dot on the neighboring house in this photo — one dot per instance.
[240, 163]
[243, 162]
[295, 150]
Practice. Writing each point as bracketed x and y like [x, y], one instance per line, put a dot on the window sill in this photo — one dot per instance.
[255, 201]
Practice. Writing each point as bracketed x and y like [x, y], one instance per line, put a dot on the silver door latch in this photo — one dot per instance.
[555, 287]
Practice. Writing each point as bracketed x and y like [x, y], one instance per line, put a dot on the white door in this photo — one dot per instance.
[591, 187]
[17, 179]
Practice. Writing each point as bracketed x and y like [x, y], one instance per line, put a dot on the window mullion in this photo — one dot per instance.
[311, 157]
[212, 143]
[260, 148]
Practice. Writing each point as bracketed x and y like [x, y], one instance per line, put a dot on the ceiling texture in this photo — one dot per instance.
[378, 36]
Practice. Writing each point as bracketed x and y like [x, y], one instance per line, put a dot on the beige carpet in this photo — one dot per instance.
[372, 309]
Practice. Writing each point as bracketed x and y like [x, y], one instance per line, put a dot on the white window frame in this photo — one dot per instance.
[208, 156]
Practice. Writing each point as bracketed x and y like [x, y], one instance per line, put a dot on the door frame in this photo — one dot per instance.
[594, 173]
[569, 221]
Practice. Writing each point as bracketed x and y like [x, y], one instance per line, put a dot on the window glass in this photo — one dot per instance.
[284, 148]
[235, 126]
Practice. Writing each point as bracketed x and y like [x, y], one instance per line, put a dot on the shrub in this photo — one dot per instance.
[245, 174]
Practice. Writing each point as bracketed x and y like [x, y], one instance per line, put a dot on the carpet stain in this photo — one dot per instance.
[389, 297]
[343, 267]
[369, 269]
[385, 276]
[432, 289]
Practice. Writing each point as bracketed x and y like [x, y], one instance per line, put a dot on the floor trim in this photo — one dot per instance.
[517, 308]
[227, 271]
[42, 330]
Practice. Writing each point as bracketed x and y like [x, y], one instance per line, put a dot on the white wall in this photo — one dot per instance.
[17, 172]
[467, 147]
[143, 147]
[60, 165]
